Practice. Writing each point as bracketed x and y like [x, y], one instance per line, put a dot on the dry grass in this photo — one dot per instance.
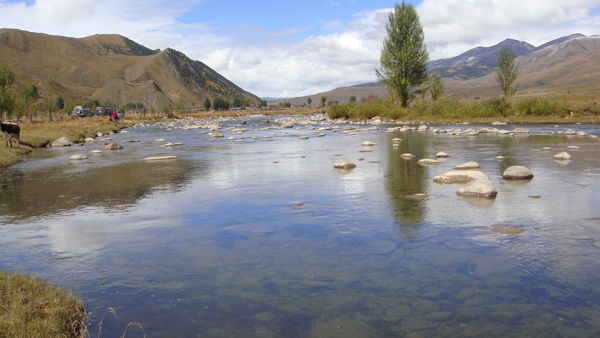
[30, 307]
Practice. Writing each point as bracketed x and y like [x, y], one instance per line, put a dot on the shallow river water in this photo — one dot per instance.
[261, 237]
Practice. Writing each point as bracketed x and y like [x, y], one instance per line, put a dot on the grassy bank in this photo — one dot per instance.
[527, 110]
[30, 307]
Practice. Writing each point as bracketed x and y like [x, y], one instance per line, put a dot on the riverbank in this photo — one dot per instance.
[30, 307]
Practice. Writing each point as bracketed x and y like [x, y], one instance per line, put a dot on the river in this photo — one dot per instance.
[257, 235]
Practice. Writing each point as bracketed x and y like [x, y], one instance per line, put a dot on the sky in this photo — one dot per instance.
[297, 48]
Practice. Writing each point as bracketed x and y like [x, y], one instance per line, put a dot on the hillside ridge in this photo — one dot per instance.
[112, 69]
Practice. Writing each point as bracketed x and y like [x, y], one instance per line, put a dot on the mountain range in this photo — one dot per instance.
[568, 65]
[111, 68]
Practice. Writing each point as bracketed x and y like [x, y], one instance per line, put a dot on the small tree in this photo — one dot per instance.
[309, 101]
[507, 71]
[27, 95]
[7, 101]
[323, 100]
[50, 105]
[207, 104]
[352, 99]
[436, 87]
[404, 57]
[60, 103]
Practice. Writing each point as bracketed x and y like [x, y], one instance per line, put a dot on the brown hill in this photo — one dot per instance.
[111, 68]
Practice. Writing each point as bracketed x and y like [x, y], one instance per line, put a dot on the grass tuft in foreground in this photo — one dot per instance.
[30, 307]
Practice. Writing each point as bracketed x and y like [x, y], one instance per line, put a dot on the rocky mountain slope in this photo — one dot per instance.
[111, 68]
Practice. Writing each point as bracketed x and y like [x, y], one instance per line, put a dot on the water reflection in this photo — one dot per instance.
[43, 192]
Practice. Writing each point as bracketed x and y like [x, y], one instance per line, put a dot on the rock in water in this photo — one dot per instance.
[62, 142]
[428, 161]
[462, 176]
[344, 163]
[517, 172]
[468, 165]
[481, 187]
[563, 155]
[78, 157]
[112, 146]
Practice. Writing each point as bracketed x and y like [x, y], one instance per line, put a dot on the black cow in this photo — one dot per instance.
[10, 131]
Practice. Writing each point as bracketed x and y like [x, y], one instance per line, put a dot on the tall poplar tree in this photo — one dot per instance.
[507, 71]
[404, 56]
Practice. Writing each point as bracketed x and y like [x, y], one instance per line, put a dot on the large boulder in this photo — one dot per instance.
[462, 176]
[481, 187]
[344, 163]
[62, 142]
[517, 172]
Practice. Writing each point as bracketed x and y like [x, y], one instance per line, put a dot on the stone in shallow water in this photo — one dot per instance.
[78, 157]
[344, 163]
[517, 172]
[442, 154]
[507, 230]
[468, 165]
[481, 187]
[462, 176]
[563, 155]
[428, 161]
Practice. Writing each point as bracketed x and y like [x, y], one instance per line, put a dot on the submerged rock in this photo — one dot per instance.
[344, 163]
[442, 154]
[517, 172]
[481, 187]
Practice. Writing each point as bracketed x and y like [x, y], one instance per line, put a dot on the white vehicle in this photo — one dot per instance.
[82, 111]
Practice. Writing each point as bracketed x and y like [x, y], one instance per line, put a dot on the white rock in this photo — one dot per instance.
[78, 157]
[368, 144]
[442, 154]
[562, 156]
[160, 158]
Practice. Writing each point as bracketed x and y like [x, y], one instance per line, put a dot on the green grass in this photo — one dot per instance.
[528, 110]
[30, 307]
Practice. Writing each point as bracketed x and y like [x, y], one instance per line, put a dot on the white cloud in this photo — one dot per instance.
[279, 63]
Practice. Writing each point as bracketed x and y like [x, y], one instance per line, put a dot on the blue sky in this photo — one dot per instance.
[296, 48]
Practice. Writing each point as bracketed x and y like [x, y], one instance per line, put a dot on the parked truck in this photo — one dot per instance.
[103, 111]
